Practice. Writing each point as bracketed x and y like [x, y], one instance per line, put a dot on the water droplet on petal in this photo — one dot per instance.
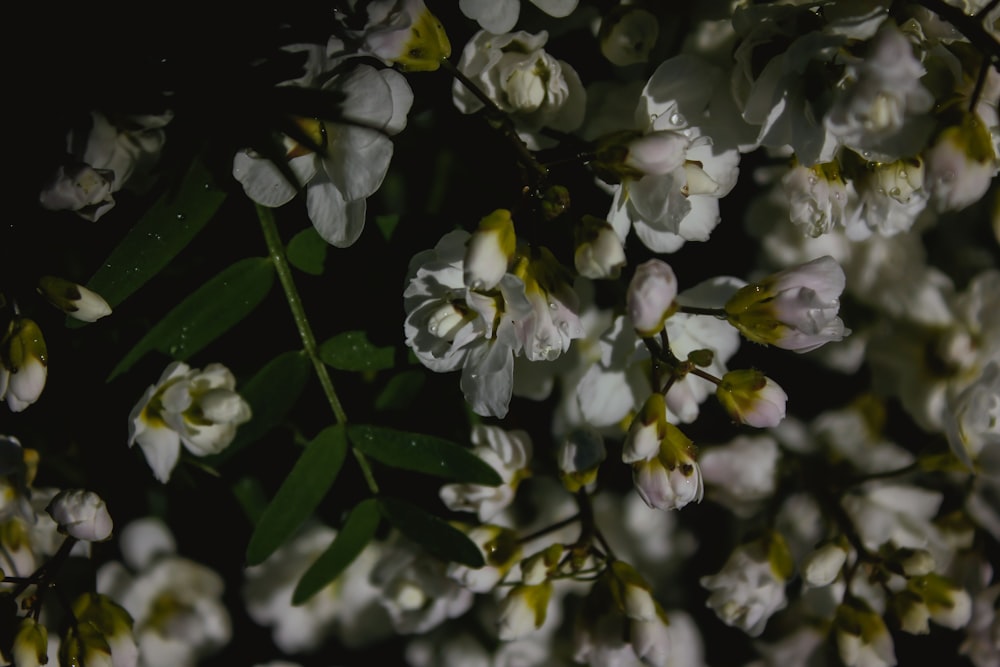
[180, 216]
[677, 119]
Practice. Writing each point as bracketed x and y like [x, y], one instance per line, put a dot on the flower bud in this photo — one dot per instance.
[961, 163]
[862, 636]
[752, 398]
[489, 251]
[523, 610]
[672, 478]
[651, 295]
[536, 568]
[599, 252]
[822, 566]
[627, 35]
[647, 430]
[23, 364]
[632, 593]
[500, 549]
[631, 154]
[81, 515]
[112, 622]
[948, 604]
[580, 456]
[31, 644]
[795, 309]
[75, 300]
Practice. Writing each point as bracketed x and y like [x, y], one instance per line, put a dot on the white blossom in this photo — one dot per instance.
[197, 408]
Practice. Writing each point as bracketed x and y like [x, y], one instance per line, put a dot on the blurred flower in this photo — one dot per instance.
[751, 585]
[523, 610]
[499, 16]
[973, 422]
[198, 408]
[30, 644]
[175, 603]
[599, 253]
[741, 474]
[627, 34]
[862, 636]
[347, 608]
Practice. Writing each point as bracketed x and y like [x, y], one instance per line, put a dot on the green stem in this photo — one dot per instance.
[276, 251]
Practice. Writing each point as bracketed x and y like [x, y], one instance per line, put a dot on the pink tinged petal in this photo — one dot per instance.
[265, 184]
[340, 223]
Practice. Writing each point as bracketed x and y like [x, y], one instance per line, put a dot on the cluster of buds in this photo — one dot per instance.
[664, 468]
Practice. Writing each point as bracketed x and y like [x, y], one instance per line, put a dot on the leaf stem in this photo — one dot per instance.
[276, 251]
[696, 310]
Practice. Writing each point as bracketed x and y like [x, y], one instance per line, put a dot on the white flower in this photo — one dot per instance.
[198, 408]
[523, 610]
[81, 514]
[374, 107]
[795, 309]
[524, 81]
[104, 161]
[961, 163]
[449, 326]
[175, 603]
[347, 608]
[507, 452]
[400, 32]
[751, 585]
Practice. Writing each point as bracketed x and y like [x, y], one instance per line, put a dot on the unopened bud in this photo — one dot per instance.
[752, 398]
[580, 456]
[822, 566]
[631, 154]
[31, 644]
[489, 251]
[23, 364]
[599, 252]
[523, 610]
[651, 295]
[81, 515]
[75, 300]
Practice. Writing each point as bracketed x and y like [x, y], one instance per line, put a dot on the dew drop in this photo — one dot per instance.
[476, 285]
[552, 305]
[676, 119]
[180, 216]
[895, 192]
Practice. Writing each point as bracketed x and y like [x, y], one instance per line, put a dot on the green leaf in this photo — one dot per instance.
[300, 493]
[435, 535]
[165, 229]
[352, 351]
[207, 313]
[271, 393]
[307, 251]
[357, 532]
[400, 391]
[423, 453]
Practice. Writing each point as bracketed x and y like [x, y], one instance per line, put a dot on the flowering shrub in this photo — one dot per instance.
[506, 333]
